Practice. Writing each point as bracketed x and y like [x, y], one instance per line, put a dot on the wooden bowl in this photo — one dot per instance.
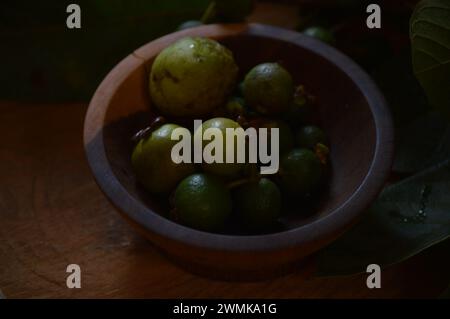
[351, 109]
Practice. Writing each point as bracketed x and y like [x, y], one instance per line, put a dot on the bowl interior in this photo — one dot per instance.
[342, 108]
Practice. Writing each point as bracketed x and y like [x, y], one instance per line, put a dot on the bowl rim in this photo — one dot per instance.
[320, 229]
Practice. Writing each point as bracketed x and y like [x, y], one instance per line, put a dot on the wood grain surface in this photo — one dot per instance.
[52, 214]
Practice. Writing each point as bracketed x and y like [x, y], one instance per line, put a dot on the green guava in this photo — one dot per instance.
[309, 136]
[152, 161]
[258, 204]
[300, 172]
[203, 202]
[192, 77]
[268, 88]
[227, 170]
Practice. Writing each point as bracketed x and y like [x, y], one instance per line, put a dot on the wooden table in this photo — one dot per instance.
[52, 214]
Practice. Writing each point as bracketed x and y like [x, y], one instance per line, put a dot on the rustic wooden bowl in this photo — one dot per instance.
[351, 109]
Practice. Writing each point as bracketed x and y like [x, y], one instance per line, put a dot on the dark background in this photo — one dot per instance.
[52, 213]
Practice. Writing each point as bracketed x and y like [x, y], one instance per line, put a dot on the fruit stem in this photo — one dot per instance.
[157, 122]
[322, 152]
[210, 13]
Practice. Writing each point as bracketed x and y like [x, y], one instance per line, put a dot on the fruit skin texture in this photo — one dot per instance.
[227, 170]
[258, 204]
[309, 136]
[153, 164]
[203, 202]
[268, 88]
[300, 172]
[192, 77]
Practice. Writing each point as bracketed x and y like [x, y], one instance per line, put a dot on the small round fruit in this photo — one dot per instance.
[320, 33]
[228, 170]
[189, 24]
[152, 163]
[268, 88]
[203, 202]
[300, 172]
[192, 77]
[309, 136]
[258, 204]
[285, 136]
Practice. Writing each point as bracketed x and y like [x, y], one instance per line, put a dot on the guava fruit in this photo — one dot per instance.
[202, 201]
[257, 203]
[152, 163]
[300, 172]
[192, 77]
[268, 88]
[227, 170]
[309, 136]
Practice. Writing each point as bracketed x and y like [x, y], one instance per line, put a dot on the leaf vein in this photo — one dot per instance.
[422, 20]
[432, 67]
[422, 36]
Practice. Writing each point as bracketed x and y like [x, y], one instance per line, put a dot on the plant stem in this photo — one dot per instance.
[157, 122]
[210, 13]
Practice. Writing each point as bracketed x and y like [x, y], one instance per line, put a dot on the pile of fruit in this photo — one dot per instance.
[197, 78]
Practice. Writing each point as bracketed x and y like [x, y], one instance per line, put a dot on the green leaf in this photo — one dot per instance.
[408, 217]
[430, 40]
[406, 98]
[422, 143]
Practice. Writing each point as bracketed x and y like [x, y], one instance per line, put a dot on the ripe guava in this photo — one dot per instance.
[192, 77]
